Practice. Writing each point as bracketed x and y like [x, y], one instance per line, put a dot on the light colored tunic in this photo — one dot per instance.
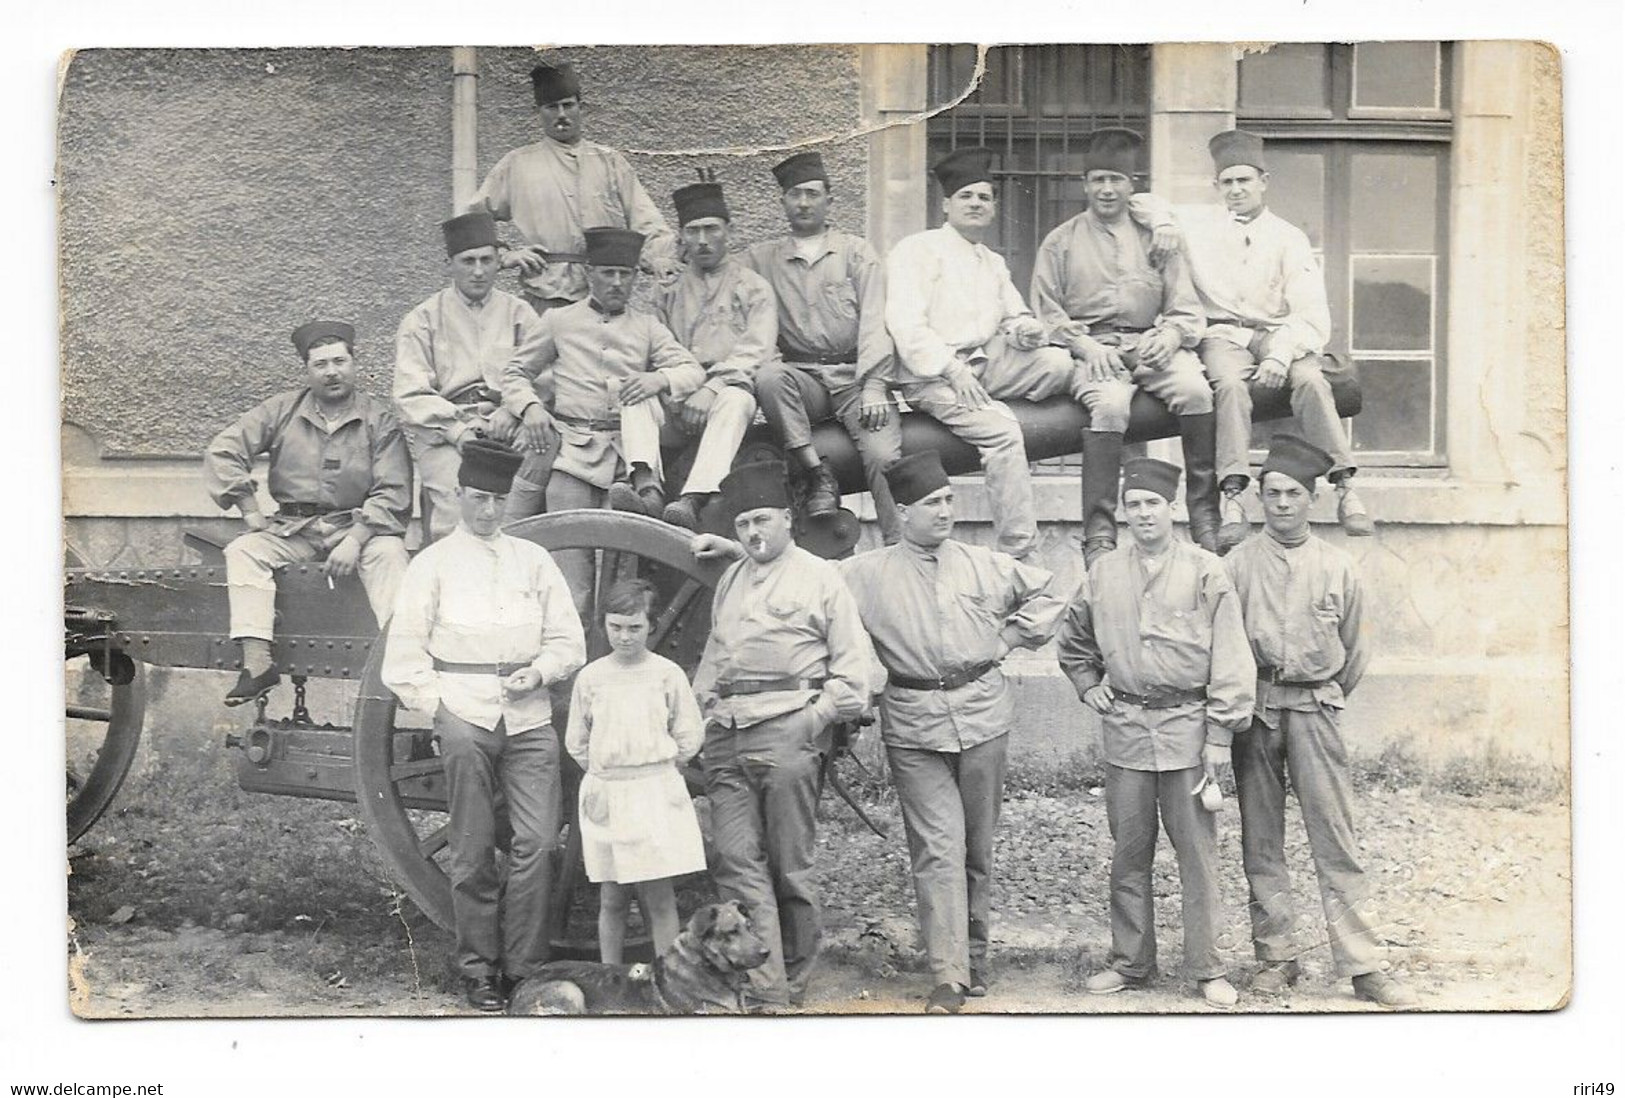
[1304, 610]
[631, 727]
[358, 468]
[1172, 626]
[931, 612]
[946, 299]
[577, 352]
[791, 618]
[1257, 276]
[551, 192]
[447, 344]
[832, 307]
[727, 318]
[1100, 274]
[496, 600]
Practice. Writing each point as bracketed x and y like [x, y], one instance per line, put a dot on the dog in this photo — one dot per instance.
[702, 973]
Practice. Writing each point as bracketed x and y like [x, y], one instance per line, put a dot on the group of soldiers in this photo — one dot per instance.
[563, 395]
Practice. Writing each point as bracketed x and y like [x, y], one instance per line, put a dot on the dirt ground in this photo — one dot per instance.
[193, 898]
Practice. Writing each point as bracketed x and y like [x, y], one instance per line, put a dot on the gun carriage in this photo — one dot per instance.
[120, 620]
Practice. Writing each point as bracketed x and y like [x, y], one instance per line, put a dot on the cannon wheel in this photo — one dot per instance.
[120, 712]
[391, 764]
[122, 716]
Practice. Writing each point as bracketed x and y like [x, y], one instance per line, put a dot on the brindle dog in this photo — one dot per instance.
[702, 973]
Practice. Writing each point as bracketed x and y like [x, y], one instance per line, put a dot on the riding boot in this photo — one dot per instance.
[1102, 467]
[1196, 435]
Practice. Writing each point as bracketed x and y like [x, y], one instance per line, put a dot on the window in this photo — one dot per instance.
[1358, 140]
[1033, 107]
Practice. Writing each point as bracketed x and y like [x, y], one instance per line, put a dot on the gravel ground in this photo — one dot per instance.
[194, 898]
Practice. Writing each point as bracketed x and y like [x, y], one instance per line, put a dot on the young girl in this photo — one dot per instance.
[633, 722]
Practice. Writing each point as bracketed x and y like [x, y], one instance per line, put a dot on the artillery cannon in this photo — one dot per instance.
[119, 620]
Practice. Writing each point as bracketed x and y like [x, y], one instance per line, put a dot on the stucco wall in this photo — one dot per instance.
[211, 200]
[673, 109]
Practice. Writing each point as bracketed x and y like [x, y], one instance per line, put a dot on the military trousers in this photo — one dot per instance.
[1231, 369]
[950, 803]
[501, 925]
[762, 782]
[649, 424]
[252, 560]
[1134, 801]
[1308, 746]
[794, 399]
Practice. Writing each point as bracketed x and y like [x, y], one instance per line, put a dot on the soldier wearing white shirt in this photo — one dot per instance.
[965, 339]
[483, 625]
[1267, 326]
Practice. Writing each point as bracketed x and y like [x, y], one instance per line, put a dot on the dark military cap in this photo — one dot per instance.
[757, 484]
[1297, 458]
[962, 167]
[488, 466]
[1234, 147]
[469, 231]
[915, 477]
[612, 247]
[699, 200]
[804, 167]
[1114, 149]
[307, 334]
[552, 83]
[1152, 475]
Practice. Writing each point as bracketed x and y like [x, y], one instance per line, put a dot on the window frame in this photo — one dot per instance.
[1338, 136]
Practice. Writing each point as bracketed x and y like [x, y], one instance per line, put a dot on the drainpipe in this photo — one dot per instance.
[465, 110]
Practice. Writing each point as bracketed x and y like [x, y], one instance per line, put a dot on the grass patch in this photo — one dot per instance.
[1489, 773]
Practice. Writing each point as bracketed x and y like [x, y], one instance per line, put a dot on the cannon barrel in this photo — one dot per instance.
[1051, 427]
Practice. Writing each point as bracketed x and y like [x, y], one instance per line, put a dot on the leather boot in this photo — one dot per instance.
[1102, 468]
[1196, 436]
[823, 493]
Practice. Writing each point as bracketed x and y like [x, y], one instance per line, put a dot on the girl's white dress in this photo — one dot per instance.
[630, 726]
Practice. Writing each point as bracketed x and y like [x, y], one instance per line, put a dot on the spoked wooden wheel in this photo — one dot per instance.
[399, 785]
[103, 730]
[105, 715]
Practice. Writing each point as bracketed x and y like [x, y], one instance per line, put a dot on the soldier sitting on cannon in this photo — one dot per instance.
[601, 362]
[833, 340]
[449, 355]
[726, 315]
[341, 477]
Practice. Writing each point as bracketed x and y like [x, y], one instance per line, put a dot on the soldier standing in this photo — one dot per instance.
[1303, 606]
[1154, 643]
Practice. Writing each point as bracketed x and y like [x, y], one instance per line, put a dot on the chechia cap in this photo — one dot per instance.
[469, 231]
[488, 466]
[962, 167]
[1297, 458]
[1151, 475]
[915, 477]
[1114, 149]
[756, 484]
[803, 167]
[307, 334]
[1234, 147]
[552, 83]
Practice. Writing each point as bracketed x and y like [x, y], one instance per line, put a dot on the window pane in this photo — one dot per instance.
[1396, 74]
[1297, 190]
[1397, 413]
[1394, 199]
[1393, 303]
[1290, 77]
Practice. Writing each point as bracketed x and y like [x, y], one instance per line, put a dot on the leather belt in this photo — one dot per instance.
[1273, 675]
[800, 359]
[611, 424]
[501, 669]
[306, 510]
[1161, 698]
[951, 681]
[766, 686]
[474, 393]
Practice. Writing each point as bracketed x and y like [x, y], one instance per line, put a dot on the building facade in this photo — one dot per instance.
[213, 199]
